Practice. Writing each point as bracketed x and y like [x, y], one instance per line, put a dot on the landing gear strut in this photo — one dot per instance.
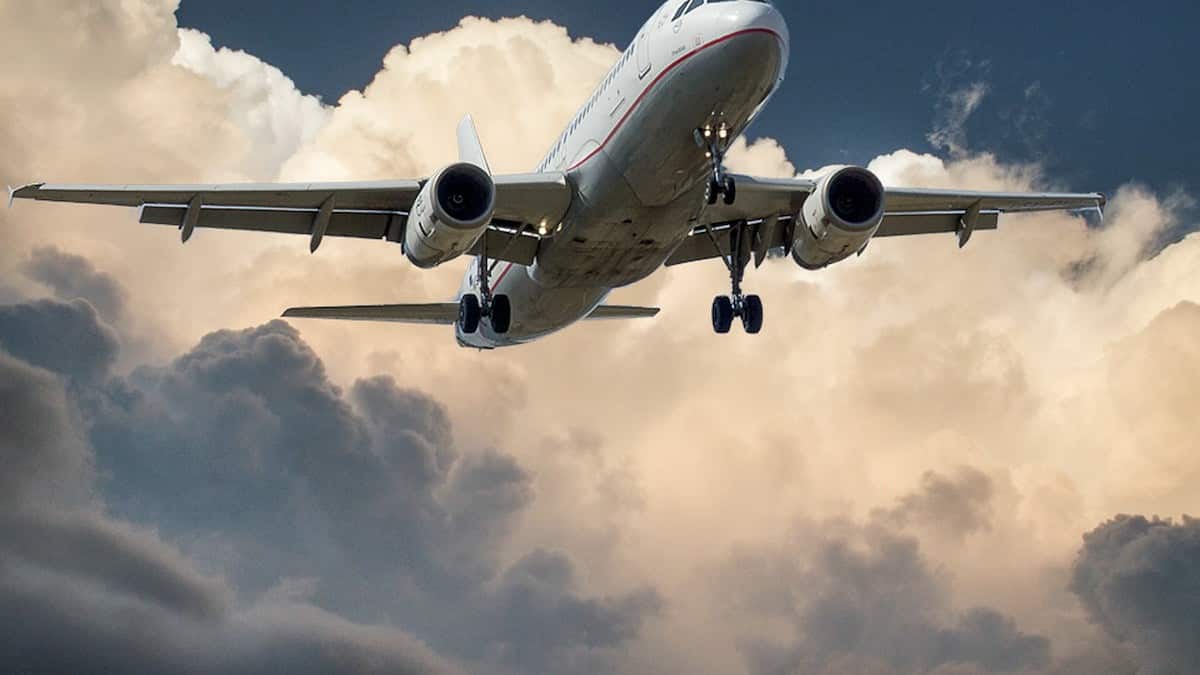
[497, 309]
[715, 143]
[725, 308]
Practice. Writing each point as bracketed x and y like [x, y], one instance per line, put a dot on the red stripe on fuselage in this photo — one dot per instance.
[663, 74]
[643, 95]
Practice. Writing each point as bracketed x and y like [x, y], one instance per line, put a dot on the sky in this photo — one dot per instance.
[932, 461]
[1065, 85]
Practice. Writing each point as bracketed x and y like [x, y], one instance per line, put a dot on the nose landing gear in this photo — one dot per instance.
[715, 143]
[472, 308]
[748, 308]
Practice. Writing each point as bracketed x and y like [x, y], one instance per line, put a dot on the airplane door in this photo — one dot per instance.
[643, 54]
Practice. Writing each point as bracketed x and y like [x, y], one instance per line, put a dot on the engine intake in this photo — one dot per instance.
[449, 215]
[838, 218]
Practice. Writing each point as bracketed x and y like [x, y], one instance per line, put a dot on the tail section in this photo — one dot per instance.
[469, 148]
[445, 313]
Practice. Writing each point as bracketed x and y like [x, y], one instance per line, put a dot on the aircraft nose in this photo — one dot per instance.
[752, 15]
[740, 16]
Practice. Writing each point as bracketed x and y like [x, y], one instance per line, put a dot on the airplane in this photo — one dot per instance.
[635, 182]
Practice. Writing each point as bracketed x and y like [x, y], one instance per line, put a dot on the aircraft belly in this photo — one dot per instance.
[725, 83]
[537, 311]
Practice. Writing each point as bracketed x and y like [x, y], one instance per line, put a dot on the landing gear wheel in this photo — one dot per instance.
[468, 313]
[722, 314]
[501, 314]
[752, 314]
[711, 192]
[729, 190]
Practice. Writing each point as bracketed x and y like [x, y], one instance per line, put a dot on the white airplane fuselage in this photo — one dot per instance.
[638, 175]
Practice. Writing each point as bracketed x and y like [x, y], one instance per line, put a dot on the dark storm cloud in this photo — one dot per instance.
[243, 452]
[74, 277]
[957, 505]
[64, 337]
[538, 609]
[865, 595]
[1139, 579]
[56, 624]
[81, 592]
[45, 456]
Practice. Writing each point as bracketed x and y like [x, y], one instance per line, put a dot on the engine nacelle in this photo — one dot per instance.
[449, 215]
[838, 218]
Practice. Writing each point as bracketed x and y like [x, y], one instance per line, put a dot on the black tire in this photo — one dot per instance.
[501, 314]
[712, 192]
[752, 314]
[468, 313]
[722, 314]
[730, 191]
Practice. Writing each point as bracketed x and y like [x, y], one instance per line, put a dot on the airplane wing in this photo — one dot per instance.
[770, 205]
[368, 210]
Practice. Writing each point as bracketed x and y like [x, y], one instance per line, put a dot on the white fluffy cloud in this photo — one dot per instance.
[275, 118]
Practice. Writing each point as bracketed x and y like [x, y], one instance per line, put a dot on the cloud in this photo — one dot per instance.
[506, 63]
[73, 277]
[1138, 579]
[296, 479]
[274, 117]
[83, 592]
[65, 337]
[954, 109]
[959, 84]
[958, 505]
[852, 594]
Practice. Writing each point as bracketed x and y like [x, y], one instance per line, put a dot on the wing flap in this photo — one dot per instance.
[900, 224]
[437, 313]
[537, 199]
[361, 224]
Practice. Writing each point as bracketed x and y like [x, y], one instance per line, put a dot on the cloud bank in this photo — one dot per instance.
[896, 477]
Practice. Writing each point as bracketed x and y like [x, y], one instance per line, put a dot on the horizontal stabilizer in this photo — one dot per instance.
[623, 312]
[444, 313]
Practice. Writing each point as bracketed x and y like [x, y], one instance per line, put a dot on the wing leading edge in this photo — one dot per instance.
[770, 205]
[368, 210]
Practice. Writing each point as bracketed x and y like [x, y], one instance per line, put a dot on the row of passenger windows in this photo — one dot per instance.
[612, 75]
[689, 6]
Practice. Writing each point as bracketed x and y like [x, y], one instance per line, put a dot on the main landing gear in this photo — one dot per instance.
[725, 308]
[497, 309]
[715, 143]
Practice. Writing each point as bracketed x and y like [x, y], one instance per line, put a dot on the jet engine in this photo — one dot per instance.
[449, 215]
[838, 218]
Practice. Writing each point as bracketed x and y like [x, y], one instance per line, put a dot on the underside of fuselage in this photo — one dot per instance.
[640, 191]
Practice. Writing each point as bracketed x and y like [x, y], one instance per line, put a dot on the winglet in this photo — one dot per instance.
[16, 192]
